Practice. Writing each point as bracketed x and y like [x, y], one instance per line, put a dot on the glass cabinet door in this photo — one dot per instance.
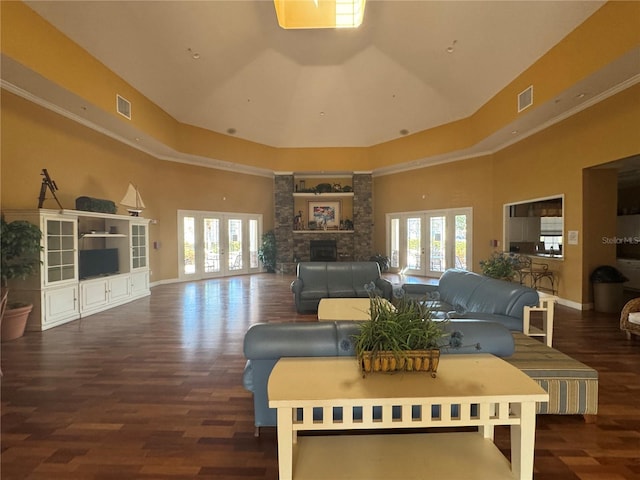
[138, 246]
[60, 250]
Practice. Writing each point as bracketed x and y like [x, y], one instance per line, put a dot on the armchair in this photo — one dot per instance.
[630, 317]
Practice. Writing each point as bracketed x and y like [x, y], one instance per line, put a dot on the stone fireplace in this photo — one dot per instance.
[295, 246]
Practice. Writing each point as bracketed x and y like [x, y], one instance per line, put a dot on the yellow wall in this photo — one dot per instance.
[85, 163]
[467, 183]
[551, 162]
[599, 220]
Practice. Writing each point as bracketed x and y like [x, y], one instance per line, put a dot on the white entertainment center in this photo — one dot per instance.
[90, 262]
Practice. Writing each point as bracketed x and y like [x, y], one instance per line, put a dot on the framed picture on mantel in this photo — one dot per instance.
[325, 214]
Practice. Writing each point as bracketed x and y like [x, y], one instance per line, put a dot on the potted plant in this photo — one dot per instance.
[267, 251]
[401, 335]
[502, 266]
[382, 260]
[20, 257]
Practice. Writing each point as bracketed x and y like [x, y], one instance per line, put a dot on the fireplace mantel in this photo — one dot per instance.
[320, 231]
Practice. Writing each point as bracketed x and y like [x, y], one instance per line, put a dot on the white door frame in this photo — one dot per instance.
[397, 249]
[244, 263]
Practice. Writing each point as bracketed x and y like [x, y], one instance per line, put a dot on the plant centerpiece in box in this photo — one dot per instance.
[20, 257]
[499, 265]
[401, 336]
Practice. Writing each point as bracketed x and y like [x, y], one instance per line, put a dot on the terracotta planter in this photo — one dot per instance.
[14, 322]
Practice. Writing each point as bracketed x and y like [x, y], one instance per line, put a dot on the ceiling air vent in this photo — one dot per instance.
[123, 106]
[525, 99]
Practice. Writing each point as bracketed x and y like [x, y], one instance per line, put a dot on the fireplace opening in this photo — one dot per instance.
[323, 251]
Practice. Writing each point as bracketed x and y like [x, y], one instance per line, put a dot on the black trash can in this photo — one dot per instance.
[608, 289]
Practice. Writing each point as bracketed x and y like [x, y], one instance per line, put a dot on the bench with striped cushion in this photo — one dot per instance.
[572, 385]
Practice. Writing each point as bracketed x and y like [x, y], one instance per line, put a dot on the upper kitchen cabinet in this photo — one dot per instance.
[524, 229]
[535, 227]
[628, 226]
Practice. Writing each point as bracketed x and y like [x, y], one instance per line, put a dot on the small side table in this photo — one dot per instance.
[546, 306]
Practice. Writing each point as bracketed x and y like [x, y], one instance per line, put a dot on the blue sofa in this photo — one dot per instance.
[317, 280]
[266, 343]
[467, 295]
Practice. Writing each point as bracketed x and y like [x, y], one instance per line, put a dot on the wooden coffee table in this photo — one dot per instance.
[330, 309]
[477, 390]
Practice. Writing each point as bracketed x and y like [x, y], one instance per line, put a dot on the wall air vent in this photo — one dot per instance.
[123, 106]
[525, 99]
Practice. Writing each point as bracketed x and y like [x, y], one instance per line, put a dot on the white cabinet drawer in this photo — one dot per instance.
[60, 305]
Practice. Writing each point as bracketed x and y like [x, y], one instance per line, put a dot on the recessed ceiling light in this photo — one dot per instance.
[194, 55]
[581, 95]
[322, 114]
[514, 132]
[451, 48]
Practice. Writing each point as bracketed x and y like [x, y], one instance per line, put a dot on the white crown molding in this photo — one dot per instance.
[471, 153]
[197, 160]
[175, 156]
[573, 111]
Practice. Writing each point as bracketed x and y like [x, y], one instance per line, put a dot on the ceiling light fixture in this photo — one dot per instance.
[304, 14]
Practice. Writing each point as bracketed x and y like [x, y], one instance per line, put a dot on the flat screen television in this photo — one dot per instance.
[96, 263]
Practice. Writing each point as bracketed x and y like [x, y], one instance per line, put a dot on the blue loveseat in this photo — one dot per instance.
[317, 280]
[467, 295]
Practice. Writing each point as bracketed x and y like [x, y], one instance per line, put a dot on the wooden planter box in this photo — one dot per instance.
[407, 361]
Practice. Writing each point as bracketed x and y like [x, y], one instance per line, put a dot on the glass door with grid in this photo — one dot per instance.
[216, 245]
[428, 243]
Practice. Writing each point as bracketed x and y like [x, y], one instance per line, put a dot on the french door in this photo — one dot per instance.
[217, 244]
[428, 243]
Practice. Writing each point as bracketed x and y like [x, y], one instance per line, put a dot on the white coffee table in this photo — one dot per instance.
[484, 390]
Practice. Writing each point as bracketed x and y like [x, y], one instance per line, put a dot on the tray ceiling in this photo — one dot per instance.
[226, 66]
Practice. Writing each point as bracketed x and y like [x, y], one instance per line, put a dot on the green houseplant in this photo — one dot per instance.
[382, 260]
[401, 335]
[20, 257]
[267, 251]
[499, 265]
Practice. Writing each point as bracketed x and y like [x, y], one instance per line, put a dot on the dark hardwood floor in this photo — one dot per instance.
[152, 390]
